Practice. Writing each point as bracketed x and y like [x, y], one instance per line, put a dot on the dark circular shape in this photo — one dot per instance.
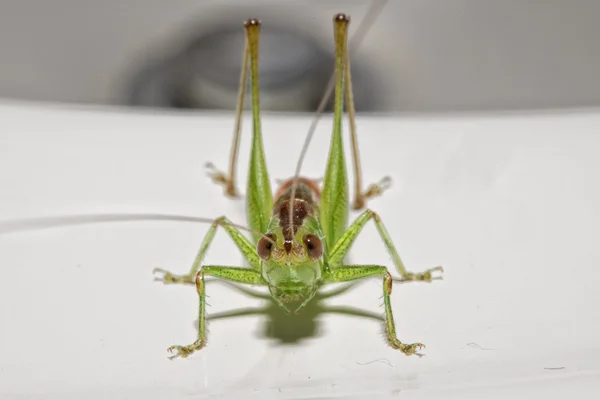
[204, 72]
[313, 245]
[287, 59]
[264, 247]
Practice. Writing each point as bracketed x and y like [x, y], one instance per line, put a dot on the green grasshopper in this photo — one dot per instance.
[300, 235]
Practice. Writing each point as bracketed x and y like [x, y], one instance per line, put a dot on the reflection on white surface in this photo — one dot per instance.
[508, 204]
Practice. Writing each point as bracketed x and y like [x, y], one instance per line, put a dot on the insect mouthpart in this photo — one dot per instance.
[292, 298]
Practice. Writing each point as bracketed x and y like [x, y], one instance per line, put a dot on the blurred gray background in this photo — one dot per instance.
[421, 55]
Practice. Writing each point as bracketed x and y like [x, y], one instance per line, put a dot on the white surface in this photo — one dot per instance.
[508, 204]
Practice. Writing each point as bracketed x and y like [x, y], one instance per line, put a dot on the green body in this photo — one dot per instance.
[294, 272]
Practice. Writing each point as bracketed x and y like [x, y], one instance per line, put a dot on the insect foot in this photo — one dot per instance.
[426, 276]
[185, 351]
[220, 178]
[410, 349]
[167, 278]
[374, 190]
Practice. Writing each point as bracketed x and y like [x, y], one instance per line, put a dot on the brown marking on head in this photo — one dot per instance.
[301, 209]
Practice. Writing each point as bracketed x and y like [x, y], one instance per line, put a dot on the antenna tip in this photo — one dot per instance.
[341, 17]
[252, 22]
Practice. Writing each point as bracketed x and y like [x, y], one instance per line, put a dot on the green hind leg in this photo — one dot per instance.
[342, 246]
[347, 273]
[259, 198]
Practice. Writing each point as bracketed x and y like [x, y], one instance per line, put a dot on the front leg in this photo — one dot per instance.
[241, 242]
[342, 246]
[232, 274]
[347, 273]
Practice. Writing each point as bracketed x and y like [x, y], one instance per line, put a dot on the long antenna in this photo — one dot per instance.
[28, 224]
[372, 14]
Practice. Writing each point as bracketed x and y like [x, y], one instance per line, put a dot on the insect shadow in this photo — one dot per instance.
[289, 328]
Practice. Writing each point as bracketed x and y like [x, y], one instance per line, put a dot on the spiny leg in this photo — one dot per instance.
[347, 273]
[241, 242]
[228, 180]
[233, 274]
[376, 189]
[342, 246]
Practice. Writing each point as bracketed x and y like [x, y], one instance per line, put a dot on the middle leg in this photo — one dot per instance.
[241, 242]
[342, 246]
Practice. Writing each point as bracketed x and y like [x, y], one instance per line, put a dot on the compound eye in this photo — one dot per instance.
[264, 247]
[314, 246]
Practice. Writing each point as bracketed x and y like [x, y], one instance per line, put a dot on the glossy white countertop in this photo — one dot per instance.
[508, 204]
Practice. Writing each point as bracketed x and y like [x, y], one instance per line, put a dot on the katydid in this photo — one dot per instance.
[301, 234]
